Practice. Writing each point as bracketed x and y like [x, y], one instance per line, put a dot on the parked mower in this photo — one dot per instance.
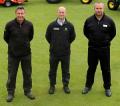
[113, 4]
[86, 1]
[8, 3]
[53, 1]
[57, 1]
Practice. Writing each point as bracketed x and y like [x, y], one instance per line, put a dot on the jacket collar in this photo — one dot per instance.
[100, 19]
[65, 22]
[18, 22]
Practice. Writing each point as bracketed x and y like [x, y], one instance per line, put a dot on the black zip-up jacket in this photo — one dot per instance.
[99, 33]
[60, 38]
[18, 37]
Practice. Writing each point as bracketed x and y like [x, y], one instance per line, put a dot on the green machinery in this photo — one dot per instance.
[113, 4]
[57, 1]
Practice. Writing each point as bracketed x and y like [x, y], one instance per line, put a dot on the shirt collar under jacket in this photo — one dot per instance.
[60, 22]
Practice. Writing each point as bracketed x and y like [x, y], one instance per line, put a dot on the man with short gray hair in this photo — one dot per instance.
[18, 34]
[100, 31]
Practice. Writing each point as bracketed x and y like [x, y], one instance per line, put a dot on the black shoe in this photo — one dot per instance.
[10, 97]
[108, 92]
[86, 90]
[29, 95]
[66, 89]
[51, 90]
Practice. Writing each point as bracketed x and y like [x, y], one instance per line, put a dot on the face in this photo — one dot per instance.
[20, 15]
[61, 13]
[99, 9]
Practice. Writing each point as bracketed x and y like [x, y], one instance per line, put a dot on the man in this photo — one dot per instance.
[100, 31]
[60, 34]
[18, 34]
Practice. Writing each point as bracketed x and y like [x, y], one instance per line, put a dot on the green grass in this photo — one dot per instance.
[41, 14]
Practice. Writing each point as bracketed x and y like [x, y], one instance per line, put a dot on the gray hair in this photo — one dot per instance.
[98, 3]
[20, 7]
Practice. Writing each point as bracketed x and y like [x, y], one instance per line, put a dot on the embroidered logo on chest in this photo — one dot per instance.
[66, 29]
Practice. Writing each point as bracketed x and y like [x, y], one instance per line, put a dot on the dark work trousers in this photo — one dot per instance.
[103, 55]
[65, 62]
[13, 64]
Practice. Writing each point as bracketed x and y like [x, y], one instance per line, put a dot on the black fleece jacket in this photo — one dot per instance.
[60, 38]
[99, 32]
[18, 37]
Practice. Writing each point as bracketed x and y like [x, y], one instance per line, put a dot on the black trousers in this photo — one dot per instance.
[13, 64]
[102, 55]
[54, 61]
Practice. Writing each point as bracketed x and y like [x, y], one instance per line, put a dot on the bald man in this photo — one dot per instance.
[100, 31]
[60, 34]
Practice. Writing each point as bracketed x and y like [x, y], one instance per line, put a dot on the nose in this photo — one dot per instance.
[20, 14]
